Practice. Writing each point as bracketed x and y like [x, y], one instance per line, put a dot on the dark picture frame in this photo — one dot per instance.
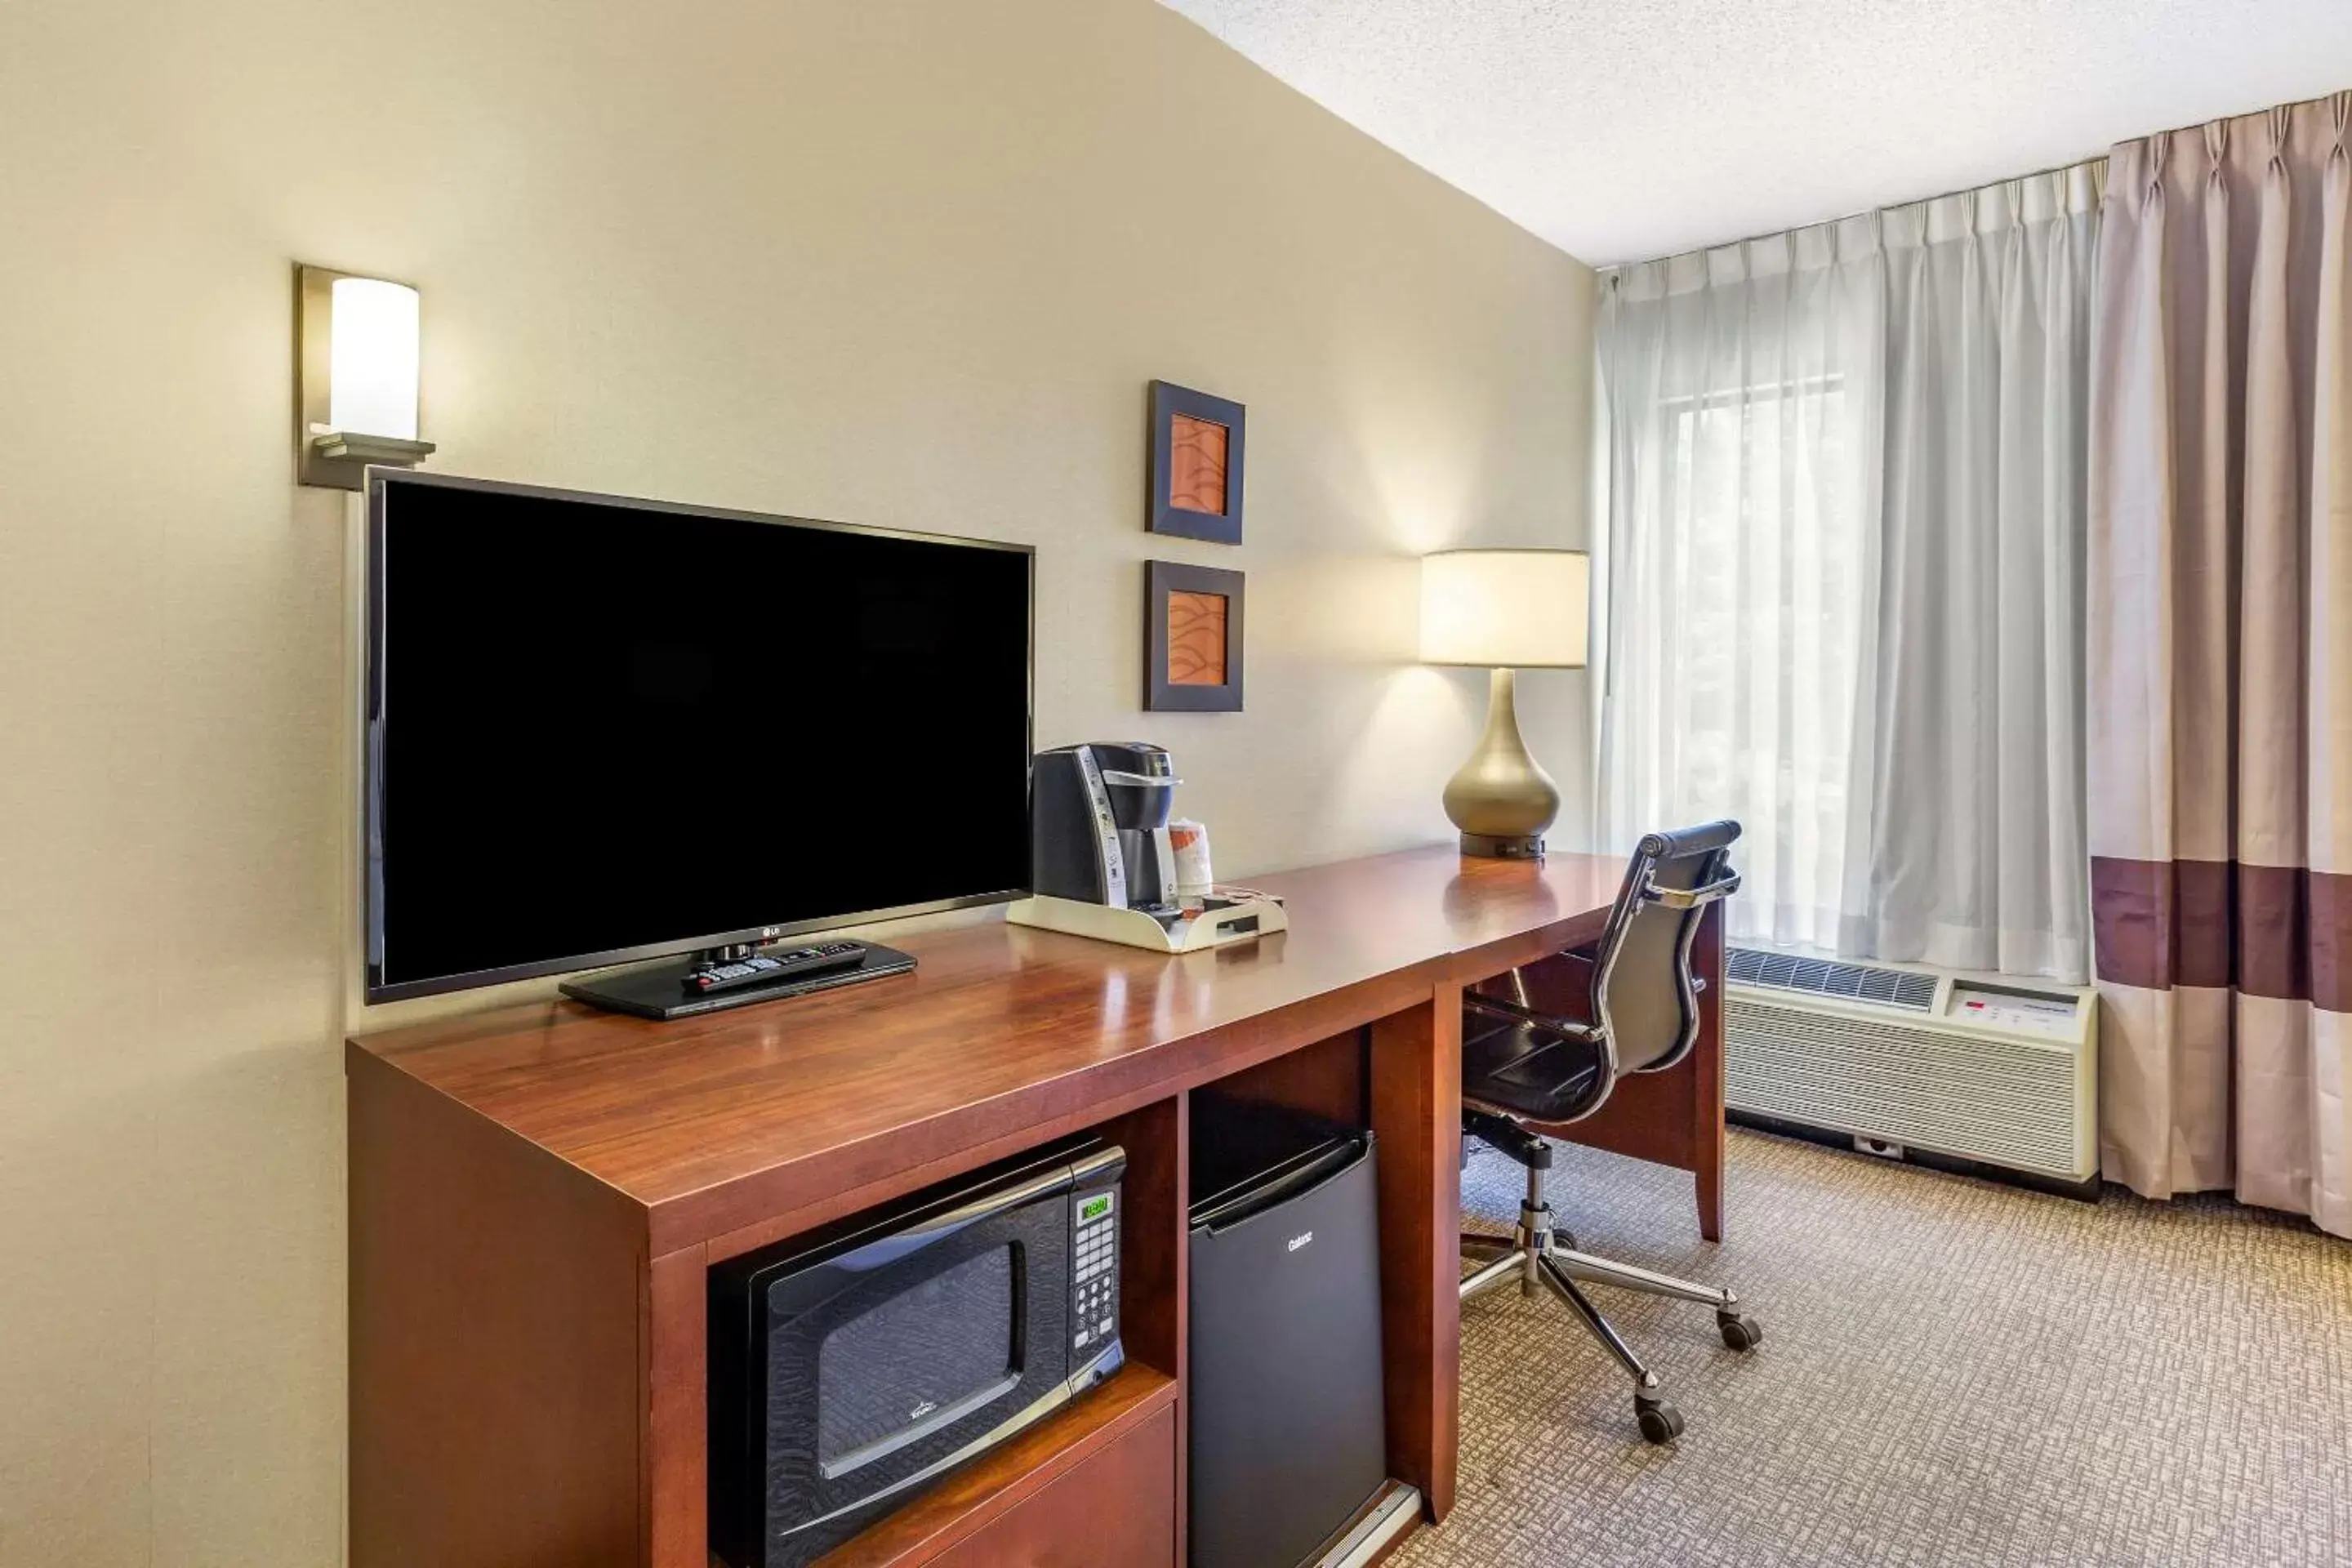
[1197, 450]
[1191, 639]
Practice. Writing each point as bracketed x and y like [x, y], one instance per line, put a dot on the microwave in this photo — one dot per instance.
[852, 1368]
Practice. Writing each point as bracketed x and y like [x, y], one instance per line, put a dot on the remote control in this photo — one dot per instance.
[767, 968]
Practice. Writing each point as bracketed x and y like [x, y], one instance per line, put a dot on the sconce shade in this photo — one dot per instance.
[356, 355]
[373, 359]
[1506, 609]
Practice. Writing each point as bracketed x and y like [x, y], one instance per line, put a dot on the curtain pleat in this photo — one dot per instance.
[1976, 836]
[2329, 692]
[2221, 673]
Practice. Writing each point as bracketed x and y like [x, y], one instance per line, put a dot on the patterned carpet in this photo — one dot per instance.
[1953, 1371]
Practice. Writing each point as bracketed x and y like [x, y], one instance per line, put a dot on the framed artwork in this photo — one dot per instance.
[1192, 639]
[1196, 464]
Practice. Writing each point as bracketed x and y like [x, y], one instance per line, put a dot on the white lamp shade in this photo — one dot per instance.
[373, 359]
[1512, 609]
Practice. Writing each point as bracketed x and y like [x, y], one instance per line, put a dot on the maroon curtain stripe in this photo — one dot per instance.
[2269, 930]
[2331, 940]
[2273, 935]
[2161, 923]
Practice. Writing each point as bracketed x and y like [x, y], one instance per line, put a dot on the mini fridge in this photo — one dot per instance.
[1288, 1418]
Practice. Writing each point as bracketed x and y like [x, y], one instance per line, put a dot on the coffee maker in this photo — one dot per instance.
[1101, 859]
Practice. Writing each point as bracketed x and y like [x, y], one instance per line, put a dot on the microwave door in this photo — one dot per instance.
[890, 1363]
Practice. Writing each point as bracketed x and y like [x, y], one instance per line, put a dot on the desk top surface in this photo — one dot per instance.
[999, 1027]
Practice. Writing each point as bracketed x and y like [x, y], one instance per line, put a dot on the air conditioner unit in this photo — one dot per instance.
[1972, 1067]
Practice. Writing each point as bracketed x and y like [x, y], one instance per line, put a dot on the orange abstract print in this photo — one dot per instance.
[1196, 639]
[1196, 464]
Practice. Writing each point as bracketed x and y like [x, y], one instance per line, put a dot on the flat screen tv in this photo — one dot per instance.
[600, 730]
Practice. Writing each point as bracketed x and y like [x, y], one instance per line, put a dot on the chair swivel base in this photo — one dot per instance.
[1539, 1251]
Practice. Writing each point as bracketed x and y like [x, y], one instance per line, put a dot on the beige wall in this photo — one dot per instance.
[890, 261]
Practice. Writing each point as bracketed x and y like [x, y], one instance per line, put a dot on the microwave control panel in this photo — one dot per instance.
[1094, 1282]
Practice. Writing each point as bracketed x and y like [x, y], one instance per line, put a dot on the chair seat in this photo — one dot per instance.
[1532, 1074]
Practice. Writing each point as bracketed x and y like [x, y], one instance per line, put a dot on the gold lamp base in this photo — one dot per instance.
[1510, 847]
[1501, 799]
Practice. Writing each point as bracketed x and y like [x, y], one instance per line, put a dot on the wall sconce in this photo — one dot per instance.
[356, 351]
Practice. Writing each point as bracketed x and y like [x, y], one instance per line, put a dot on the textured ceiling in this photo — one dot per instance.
[1626, 128]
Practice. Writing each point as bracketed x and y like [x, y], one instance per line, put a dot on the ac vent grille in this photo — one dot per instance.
[1903, 988]
[1981, 1098]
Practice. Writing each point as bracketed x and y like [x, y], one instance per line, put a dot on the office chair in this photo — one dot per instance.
[1526, 1072]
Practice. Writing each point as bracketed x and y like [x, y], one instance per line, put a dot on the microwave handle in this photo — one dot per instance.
[1095, 1164]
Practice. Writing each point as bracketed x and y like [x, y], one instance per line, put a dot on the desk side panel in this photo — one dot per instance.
[1707, 1071]
[1416, 1091]
[678, 1402]
[496, 1356]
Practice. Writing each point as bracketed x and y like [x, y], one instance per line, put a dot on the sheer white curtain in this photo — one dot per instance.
[1740, 390]
[1843, 572]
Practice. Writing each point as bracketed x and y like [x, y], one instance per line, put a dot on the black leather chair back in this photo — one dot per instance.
[1643, 992]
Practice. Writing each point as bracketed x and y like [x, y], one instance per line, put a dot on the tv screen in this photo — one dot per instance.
[601, 730]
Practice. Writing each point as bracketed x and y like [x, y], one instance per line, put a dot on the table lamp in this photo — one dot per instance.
[1506, 610]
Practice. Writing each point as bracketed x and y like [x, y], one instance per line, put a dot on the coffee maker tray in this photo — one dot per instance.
[1226, 915]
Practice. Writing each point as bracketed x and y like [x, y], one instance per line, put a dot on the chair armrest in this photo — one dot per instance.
[1692, 898]
[1495, 1007]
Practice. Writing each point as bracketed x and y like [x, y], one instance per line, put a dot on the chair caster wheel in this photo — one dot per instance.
[1741, 1333]
[1661, 1422]
[1562, 1238]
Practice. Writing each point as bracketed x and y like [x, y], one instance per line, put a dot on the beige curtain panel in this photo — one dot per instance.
[2219, 636]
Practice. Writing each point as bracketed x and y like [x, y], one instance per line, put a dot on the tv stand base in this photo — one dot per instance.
[660, 990]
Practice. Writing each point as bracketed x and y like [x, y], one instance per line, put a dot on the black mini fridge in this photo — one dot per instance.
[1287, 1425]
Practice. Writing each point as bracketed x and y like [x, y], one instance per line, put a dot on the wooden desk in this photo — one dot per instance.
[537, 1192]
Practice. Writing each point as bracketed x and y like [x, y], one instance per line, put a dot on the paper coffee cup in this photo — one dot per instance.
[1190, 840]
